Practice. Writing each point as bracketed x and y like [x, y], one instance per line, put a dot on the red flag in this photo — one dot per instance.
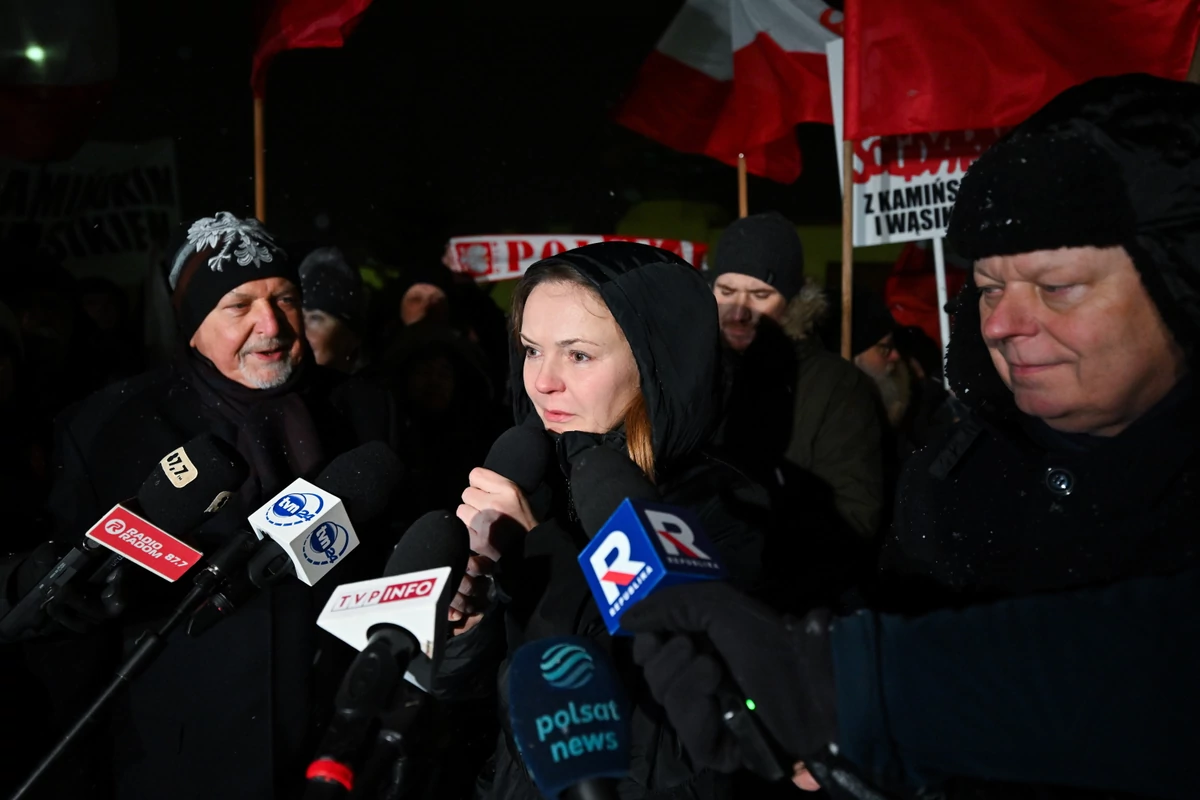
[736, 76]
[295, 24]
[947, 65]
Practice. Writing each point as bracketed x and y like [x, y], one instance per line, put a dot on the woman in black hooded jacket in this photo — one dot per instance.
[618, 348]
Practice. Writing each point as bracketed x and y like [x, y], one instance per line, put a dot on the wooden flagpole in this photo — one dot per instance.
[260, 163]
[847, 244]
[743, 199]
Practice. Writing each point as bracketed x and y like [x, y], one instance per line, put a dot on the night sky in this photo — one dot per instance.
[438, 118]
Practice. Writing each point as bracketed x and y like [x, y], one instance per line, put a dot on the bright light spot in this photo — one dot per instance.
[35, 54]
[750, 704]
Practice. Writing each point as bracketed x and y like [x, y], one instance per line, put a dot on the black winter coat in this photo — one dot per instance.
[231, 713]
[676, 347]
[1004, 506]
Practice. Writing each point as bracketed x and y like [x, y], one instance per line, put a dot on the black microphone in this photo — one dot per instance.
[522, 454]
[363, 479]
[189, 485]
[398, 623]
[638, 544]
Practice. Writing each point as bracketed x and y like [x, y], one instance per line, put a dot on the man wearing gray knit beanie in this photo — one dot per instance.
[801, 420]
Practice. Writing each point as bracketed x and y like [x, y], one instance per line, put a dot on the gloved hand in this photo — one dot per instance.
[689, 637]
[77, 609]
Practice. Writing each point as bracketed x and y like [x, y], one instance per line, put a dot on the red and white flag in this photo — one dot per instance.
[934, 65]
[297, 24]
[736, 76]
[59, 64]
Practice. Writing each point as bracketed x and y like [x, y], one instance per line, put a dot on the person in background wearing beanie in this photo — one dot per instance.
[230, 713]
[335, 309]
[1074, 345]
[799, 419]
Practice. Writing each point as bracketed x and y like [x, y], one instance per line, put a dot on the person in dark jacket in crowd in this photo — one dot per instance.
[451, 411]
[915, 406]
[1029, 689]
[230, 713]
[1075, 347]
[603, 362]
[931, 409]
[799, 419]
[335, 309]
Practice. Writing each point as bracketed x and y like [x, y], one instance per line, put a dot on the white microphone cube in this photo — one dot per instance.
[311, 525]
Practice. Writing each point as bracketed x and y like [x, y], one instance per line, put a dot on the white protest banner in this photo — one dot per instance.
[904, 186]
[106, 211]
[503, 256]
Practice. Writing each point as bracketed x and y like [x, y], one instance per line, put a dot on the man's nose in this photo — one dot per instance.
[267, 322]
[1013, 314]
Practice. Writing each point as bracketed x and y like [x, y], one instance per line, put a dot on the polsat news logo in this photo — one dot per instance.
[409, 590]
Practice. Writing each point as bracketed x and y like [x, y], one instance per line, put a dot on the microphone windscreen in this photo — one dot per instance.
[364, 479]
[190, 483]
[522, 454]
[601, 478]
[568, 713]
[438, 539]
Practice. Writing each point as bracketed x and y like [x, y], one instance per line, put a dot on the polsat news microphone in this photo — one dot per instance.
[569, 717]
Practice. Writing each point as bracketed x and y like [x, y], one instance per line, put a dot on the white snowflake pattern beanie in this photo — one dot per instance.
[220, 254]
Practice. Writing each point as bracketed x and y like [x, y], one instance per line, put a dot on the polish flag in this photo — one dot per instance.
[298, 24]
[938, 66]
[59, 65]
[736, 76]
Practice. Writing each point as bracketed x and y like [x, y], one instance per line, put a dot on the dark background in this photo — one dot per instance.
[437, 119]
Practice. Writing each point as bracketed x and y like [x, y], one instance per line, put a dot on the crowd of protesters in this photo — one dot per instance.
[1063, 457]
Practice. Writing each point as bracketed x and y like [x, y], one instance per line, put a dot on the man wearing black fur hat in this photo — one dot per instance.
[229, 713]
[1074, 345]
[801, 420]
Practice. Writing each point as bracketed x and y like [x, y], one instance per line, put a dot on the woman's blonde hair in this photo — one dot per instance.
[639, 435]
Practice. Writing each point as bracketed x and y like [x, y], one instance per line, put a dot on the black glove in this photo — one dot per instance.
[784, 665]
[78, 609]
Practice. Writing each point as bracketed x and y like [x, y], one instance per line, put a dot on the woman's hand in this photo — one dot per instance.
[470, 601]
[495, 511]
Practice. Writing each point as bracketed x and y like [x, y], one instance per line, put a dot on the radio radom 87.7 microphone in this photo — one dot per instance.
[641, 546]
[188, 485]
[570, 718]
[398, 624]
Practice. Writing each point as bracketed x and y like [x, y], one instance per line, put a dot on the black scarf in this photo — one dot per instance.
[272, 428]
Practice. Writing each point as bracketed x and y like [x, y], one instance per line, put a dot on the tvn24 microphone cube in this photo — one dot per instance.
[311, 525]
[644, 545]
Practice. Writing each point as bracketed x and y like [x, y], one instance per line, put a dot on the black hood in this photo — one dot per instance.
[669, 316]
[1113, 161]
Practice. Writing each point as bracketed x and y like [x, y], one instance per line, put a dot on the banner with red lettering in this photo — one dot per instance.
[904, 186]
[504, 256]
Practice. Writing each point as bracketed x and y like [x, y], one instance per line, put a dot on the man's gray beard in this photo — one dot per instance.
[276, 374]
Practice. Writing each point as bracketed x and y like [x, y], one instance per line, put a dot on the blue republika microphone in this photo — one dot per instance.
[569, 717]
[644, 545]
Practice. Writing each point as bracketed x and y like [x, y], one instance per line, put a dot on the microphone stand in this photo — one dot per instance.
[371, 696]
[149, 645]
